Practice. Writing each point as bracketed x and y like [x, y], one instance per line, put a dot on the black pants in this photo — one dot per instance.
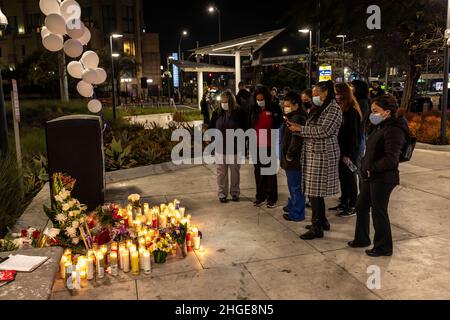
[376, 196]
[318, 212]
[266, 186]
[349, 187]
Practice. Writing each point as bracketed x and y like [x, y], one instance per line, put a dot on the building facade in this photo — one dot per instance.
[103, 18]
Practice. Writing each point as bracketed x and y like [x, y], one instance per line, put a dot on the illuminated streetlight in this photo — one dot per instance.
[212, 9]
[369, 46]
[113, 55]
[310, 54]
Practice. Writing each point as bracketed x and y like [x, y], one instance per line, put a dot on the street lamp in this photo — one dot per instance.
[3, 123]
[113, 56]
[212, 9]
[310, 54]
[168, 75]
[184, 34]
[284, 50]
[343, 36]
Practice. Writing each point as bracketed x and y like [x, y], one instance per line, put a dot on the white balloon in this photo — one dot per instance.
[44, 32]
[70, 9]
[90, 60]
[53, 42]
[85, 89]
[75, 69]
[56, 24]
[86, 37]
[73, 48]
[90, 75]
[95, 106]
[49, 6]
[75, 28]
[101, 76]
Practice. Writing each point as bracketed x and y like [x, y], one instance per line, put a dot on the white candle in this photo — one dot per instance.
[196, 241]
[141, 258]
[147, 262]
[62, 267]
[126, 261]
[100, 265]
[90, 268]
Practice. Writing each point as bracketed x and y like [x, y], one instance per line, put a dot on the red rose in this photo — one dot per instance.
[104, 237]
[91, 223]
[24, 233]
[36, 234]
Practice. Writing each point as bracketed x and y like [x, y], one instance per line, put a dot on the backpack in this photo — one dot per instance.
[408, 148]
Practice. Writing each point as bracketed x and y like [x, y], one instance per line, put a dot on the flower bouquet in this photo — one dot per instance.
[162, 246]
[67, 214]
[135, 201]
[179, 234]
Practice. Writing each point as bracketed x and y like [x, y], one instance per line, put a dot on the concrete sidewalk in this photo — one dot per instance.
[254, 254]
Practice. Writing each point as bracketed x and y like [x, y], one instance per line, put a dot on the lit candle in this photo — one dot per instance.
[100, 265]
[125, 261]
[147, 262]
[68, 252]
[141, 257]
[182, 211]
[196, 241]
[81, 266]
[69, 279]
[134, 262]
[195, 232]
[114, 246]
[202, 249]
[146, 208]
[163, 220]
[77, 277]
[173, 221]
[189, 241]
[113, 264]
[62, 267]
[176, 204]
[141, 242]
[90, 268]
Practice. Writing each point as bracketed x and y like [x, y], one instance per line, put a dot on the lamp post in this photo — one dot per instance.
[168, 75]
[3, 123]
[213, 9]
[113, 77]
[444, 106]
[184, 33]
[343, 36]
[310, 55]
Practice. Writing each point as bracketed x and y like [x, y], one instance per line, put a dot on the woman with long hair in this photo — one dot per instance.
[266, 115]
[320, 155]
[228, 117]
[349, 139]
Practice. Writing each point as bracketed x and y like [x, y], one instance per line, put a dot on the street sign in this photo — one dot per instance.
[176, 72]
[15, 99]
[325, 73]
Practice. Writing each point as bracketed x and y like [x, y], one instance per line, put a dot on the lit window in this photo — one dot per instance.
[129, 48]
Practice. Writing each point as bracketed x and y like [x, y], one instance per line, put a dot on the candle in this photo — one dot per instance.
[104, 251]
[68, 252]
[141, 257]
[196, 241]
[202, 249]
[62, 267]
[189, 241]
[114, 246]
[77, 277]
[125, 261]
[113, 264]
[173, 221]
[146, 207]
[100, 265]
[176, 204]
[81, 266]
[134, 262]
[147, 262]
[163, 220]
[182, 211]
[69, 279]
[90, 268]
[129, 244]
[194, 232]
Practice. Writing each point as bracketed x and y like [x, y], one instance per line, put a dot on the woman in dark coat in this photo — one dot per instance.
[265, 116]
[349, 142]
[381, 175]
[320, 155]
[205, 109]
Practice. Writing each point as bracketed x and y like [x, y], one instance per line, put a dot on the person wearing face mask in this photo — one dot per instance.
[349, 139]
[291, 147]
[228, 117]
[307, 100]
[388, 135]
[320, 156]
[266, 115]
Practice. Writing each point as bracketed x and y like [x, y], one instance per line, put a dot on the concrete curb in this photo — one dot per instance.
[431, 147]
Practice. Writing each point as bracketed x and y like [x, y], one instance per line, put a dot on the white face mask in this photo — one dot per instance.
[287, 110]
[261, 103]
[225, 106]
[317, 102]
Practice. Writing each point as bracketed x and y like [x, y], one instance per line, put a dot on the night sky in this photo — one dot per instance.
[239, 18]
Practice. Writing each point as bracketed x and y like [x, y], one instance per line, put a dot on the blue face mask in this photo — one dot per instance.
[376, 118]
[317, 102]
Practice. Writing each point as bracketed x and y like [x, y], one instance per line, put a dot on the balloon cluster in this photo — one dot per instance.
[64, 30]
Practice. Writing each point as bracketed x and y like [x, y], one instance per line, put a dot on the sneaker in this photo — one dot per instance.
[258, 203]
[349, 212]
[271, 205]
[338, 208]
[223, 200]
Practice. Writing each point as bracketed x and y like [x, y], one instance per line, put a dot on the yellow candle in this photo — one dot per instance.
[196, 242]
[147, 262]
[134, 263]
[114, 246]
[113, 263]
[182, 211]
[146, 207]
[62, 267]
[129, 244]
[195, 232]
[90, 268]
[163, 220]
[68, 252]
[125, 261]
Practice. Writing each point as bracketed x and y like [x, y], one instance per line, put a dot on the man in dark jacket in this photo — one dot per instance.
[291, 148]
[381, 175]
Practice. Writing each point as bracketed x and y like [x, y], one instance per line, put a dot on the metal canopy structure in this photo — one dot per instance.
[189, 66]
[245, 45]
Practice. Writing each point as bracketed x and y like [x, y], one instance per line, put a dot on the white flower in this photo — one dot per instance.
[75, 224]
[134, 198]
[61, 218]
[82, 220]
[71, 232]
[72, 203]
[75, 240]
[62, 195]
[66, 207]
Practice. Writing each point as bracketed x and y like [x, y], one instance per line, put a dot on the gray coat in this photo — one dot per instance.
[320, 153]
